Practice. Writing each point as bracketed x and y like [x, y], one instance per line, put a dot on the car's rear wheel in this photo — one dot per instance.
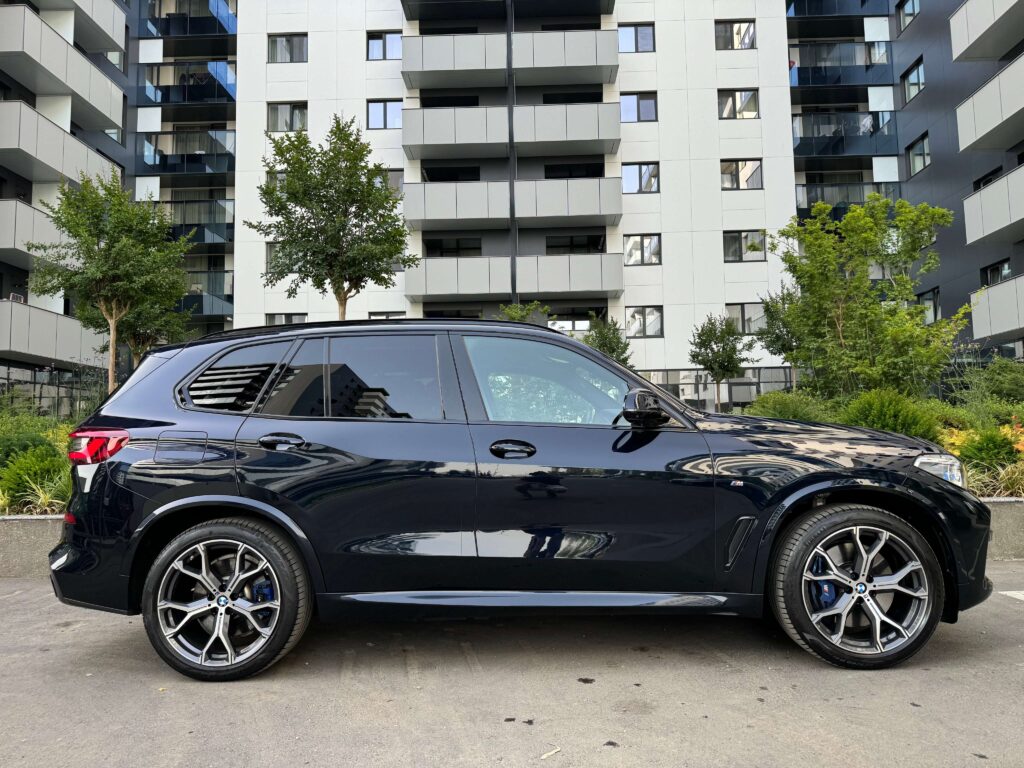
[226, 599]
[856, 586]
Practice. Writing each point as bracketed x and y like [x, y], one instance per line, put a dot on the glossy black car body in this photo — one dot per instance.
[460, 511]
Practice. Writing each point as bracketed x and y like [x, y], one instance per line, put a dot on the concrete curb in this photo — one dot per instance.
[25, 540]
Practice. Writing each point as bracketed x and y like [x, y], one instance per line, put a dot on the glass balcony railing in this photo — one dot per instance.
[844, 133]
[186, 152]
[802, 8]
[209, 294]
[181, 18]
[195, 82]
[839, 64]
[840, 196]
[212, 220]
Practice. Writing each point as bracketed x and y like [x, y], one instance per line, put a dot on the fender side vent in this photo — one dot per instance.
[737, 539]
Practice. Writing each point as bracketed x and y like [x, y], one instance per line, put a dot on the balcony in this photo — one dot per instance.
[840, 64]
[37, 56]
[997, 312]
[99, 24]
[188, 18]
[488, 278]
[568, 202]
[844, 134]
[986, 29]
[20, 223]
[995, 213]
[840, 196]
[455, 205]
[459, 9]
[40, 150]
[210, 83]
[212, 220]
[831, 18]
[209, 294]
[567, 129]
[539, 58]
[993, 116]
[40, 337]
[448, 132]
[187, 153]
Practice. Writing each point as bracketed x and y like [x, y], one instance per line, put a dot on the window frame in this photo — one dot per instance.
[386, 112]
[290, 35]
[644, 237]
[741, 232]
[291, 115]
[733, 93]
[935, 296]
[986, 282]
[915, 69]
[901, 15]
[737, 188]
[640, 176]
[645, 307]
[635, 27]
[743, 314]
[921, 140]
[382, 34]
[751, 47]
[639, 96]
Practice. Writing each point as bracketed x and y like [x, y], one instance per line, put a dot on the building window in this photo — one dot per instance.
[749, 318]
[396, 179]
[286, 117]
[988, 178]
[644, 323]
[996, 273]
[383, 45]
[288, 318]
[387, 315]
[383, 113]
[558, 245]
[737, 105]
[919, 155]
[636, 38]
[735, 35]
[913, 80]
[741, 174]
[907, 11]
[288, 49]
[745, 245]
[640, 178]
[643, 250]
[457, 247]
[639, 107]
[930, 301]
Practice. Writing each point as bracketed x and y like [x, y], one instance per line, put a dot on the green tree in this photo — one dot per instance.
[332, 214]
[718, 346]
[150, 326]
[850, 316]
[606, 336]
[524, 313]
[115, 257]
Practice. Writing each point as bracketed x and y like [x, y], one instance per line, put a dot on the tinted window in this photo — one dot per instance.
[235, 380]
[384, 377]
[534, 382]
[299, 390]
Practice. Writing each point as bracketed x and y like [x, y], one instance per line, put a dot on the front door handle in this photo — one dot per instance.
[280, 441]
[512, 449]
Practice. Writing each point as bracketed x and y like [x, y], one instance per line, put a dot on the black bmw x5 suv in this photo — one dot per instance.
[236, 485]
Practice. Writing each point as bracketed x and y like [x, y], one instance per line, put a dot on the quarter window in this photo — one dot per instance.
[741, 174]
[640, 178]
[738, 105]
[745, 245]
[919, 155]
[636, 38]
[642, 250]
[913, 80]
[286, 117]
[639, 107]
[538, 383]
[383, 45]
[234, 381]
[288, 49]
[735, 35]
[644, 322]
[383, 113]
[749, 318]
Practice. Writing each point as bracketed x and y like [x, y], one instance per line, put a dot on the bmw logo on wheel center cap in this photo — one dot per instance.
[862, 588]
[222, 601]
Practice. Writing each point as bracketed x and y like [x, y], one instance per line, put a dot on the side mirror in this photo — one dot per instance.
[642, 409]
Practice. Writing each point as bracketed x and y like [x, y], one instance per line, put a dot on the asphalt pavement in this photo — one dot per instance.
[84, 688]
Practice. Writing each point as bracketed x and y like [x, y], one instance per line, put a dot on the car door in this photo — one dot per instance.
[363, 441]
[569, 497]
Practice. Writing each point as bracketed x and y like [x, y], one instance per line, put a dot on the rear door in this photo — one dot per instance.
[363, 440]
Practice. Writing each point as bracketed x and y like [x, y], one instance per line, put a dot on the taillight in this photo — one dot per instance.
[91, 446]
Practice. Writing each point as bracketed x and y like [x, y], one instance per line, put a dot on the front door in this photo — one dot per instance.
[569, 496]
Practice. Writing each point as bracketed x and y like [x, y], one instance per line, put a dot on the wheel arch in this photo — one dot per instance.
[166, 522]
[893, 499]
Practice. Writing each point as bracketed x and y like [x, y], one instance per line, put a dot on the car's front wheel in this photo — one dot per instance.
[226, 599]
[856, 586]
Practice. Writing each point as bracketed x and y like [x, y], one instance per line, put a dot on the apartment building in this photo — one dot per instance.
[62, 113]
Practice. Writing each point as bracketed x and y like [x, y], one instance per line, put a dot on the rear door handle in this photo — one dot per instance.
[281, 441]
[512, 449]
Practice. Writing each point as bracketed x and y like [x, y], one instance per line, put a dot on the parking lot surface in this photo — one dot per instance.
[84, 688]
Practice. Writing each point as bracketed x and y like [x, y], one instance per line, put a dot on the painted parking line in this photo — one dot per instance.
[1014, 595]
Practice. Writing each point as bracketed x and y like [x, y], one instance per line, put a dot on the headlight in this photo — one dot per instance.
[943, 465]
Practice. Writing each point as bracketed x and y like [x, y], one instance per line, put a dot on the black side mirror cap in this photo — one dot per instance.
[642, 409]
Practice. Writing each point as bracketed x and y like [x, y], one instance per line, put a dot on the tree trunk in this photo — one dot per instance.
[342, 298]
[136, 358]
[718, 395]
[793, 369]
[112, 357]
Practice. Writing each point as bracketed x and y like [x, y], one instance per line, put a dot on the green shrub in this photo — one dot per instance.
[989, 448]
[39, 465]
[1006, 481]
[12, 444]
[798, 405]
[948, 415]
[888, 410]
[1002, 378]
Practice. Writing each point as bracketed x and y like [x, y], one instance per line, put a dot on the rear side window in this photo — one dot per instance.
[234, 381]
[299, 390]
[384, 377]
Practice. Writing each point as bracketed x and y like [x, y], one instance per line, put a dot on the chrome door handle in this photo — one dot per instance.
[512, 449]
[281, 442]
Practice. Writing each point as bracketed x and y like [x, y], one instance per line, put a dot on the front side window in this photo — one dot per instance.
[382, 46]
[745, 245]
[642, 250]
[996, 273]
[286, 117]
[522, 380]
[383, 113]
[644, 322]
[749, 318]
[742, 174]
[638, 107]
[735, 35]
[384, 377]
[738, 105]
[288, 49]
[640, 178]
[919, 155]
[913, 80]
[636, 38]
[907, 11]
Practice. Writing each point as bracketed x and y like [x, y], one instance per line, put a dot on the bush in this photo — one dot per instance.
[990, 448]
[1007, 481]
[888, 410]
[799, 406]
[1002, 379]
[38, 465]
[13, 444]
[949, 416]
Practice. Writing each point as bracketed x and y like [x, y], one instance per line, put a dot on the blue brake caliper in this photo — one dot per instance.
[263, 591]
[824, 592]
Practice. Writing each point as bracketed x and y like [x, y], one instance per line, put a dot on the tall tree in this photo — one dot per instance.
[149, 326]
[606, 336]
[721, 349]
[115, 257]
[850, 314]
[332, 215]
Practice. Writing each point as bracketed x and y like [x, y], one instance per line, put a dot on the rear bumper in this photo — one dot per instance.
[81, 576]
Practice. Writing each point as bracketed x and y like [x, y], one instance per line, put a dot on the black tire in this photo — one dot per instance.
[291, 586]
[794, 601]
